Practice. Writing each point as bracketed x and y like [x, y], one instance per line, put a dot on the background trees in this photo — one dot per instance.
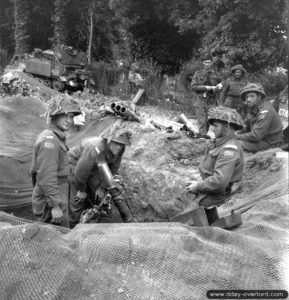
[166, 32]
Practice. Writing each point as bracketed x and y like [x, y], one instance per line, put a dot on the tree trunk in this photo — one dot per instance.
[90, 35]
[59, 20]
[20, 33]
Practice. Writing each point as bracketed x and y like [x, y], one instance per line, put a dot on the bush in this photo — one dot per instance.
[106, 76]
[272, 81]
[4, 59]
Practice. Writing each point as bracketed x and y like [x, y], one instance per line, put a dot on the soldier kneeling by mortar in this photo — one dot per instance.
[223, 164]
[95, 164]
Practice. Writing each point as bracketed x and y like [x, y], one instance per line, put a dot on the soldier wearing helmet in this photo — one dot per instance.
[264, 126]
[231, 93]
[206, 86]
[50, 168]
[223, 164]
[95, 162]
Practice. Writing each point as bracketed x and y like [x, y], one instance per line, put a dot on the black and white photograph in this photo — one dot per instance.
[144, 149]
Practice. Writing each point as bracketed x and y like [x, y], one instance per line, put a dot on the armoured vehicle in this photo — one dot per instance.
[63, 68]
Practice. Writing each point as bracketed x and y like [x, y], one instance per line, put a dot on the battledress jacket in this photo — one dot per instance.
[50, 163]
[222, 165]
[85, 158]
[199, 82]
[233, 89]
[263, 124]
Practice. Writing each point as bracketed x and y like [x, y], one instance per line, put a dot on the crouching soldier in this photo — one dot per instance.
[50, 167]
[223, 163]
[95, 164]
[264, 126]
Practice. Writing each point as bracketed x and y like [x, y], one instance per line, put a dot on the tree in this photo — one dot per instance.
[20, 32]
[155, 33]
[243, 31]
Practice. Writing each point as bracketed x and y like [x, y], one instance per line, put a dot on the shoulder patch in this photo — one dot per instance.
[231, 146]
[97, 150]
[228, 153]
[49, 145]
[261, 116]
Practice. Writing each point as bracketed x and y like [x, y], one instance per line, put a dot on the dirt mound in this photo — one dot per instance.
[155, 167]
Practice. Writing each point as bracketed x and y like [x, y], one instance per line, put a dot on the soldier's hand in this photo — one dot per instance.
[57, 214]
[191, 187]
[219, 86]
[80, 197]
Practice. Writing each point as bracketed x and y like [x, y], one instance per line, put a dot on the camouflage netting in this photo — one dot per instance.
[148, 260]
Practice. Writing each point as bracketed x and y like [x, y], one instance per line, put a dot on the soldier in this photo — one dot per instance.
[50, 168]
[206, 87]
[231, 93]
[223, 164]
[264, 126]
[95, 163]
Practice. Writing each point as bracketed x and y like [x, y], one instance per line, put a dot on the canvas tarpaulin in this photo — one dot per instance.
[21, 120]
[148, 260]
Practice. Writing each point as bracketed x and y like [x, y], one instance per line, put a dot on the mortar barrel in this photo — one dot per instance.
[113, 105]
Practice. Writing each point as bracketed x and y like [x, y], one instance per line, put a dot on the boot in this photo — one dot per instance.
[124, 211]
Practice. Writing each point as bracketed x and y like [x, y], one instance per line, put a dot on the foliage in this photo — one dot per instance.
[154, 35]
[248, 31]
[4, 59]
[105, 75]
[6, 26]
[21, 31]
[273, 82]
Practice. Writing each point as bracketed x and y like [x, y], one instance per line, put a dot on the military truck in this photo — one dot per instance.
[63, 68]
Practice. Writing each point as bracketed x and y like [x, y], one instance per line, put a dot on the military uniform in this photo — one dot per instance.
[230, 96]
[264, 129]
[204, 100]
[84, 160]
[222, 166]
[51, 167]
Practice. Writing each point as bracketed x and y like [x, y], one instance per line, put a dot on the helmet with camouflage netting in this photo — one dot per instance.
[118, 134]
[63, 104]
[253, 87]
[226, 115]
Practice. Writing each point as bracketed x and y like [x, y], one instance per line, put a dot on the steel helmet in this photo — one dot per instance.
[226, 115]
[238, 67]
[118, 134]
[253, 87]
[62, 105]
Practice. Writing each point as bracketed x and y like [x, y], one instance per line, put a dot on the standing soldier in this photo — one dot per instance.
[264, 126]
[95, 164]
[206, 90]
[50, 168]
[223, 164]
[231, 93]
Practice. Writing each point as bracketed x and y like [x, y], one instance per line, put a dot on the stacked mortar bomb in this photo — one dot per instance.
[124, 112]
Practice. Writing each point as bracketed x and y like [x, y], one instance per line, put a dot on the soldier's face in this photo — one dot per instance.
[207, 64]
[219, 129]
[115, 147]
[252, 99]
[238, 73]
[64, 121]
